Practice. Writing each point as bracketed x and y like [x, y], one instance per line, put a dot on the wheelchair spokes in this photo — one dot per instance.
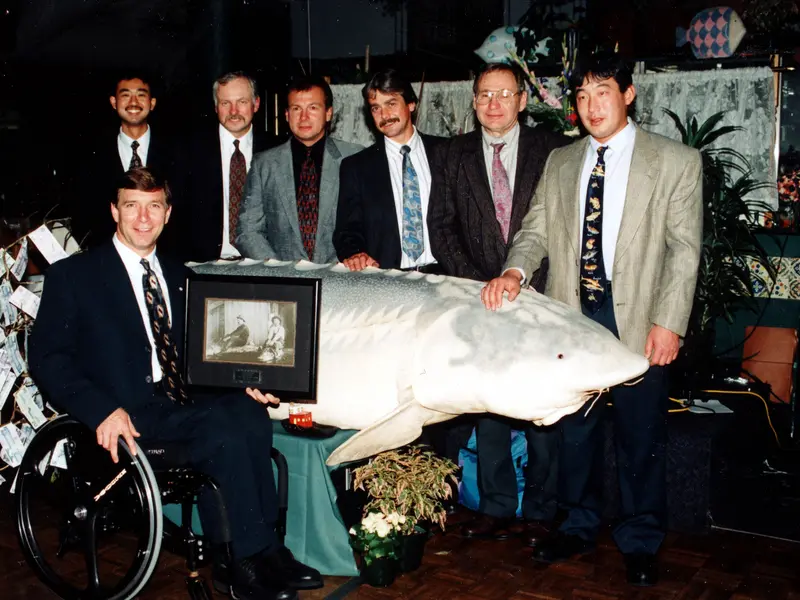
[89, 528]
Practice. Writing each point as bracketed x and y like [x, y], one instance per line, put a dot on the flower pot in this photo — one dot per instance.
[380, 572]
[412, 547]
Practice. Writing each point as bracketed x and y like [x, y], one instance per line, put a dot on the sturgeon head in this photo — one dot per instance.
[398, 351]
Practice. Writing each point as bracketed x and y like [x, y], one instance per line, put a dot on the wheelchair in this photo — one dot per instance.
[92, 529]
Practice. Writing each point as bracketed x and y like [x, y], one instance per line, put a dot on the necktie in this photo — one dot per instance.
[593, 271]
[501, 191]
[166, 350]
[308, 204]
[413, 240]
[136, 160]
[238, 175]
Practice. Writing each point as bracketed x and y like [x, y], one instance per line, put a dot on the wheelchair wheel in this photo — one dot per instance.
[88, 527]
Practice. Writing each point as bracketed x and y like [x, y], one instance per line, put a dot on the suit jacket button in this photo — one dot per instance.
[148, 379]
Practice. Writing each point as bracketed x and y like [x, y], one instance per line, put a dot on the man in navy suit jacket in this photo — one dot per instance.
[92, 353]
[111, 154]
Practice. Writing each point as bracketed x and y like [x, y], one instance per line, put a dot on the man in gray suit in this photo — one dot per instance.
[620, 216]
[289, 206]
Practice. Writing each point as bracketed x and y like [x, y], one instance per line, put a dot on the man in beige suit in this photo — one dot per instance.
[619, 214]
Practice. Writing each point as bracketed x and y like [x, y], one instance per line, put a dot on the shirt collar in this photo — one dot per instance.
[413, 142]
[127, 140]
[509, 138]
[620, 140]
[226, 138]
[130, 259]
[317, 148]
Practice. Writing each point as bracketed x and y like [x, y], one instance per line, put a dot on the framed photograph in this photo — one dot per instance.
[257, 332]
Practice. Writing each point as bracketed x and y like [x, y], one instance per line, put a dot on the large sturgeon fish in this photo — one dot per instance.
[400, 350]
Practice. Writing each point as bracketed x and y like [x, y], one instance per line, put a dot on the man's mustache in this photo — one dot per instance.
[386, 122]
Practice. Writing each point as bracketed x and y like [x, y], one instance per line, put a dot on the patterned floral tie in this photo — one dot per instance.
[501, 191]
[136, 160]
[308, 204]
[593, 271]
[166, 350]
[413, 237]
[238, 175]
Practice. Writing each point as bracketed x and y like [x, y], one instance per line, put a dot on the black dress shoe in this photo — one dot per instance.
[488, 527]
[560, 547]
[642, 568]
[245, 582]
[536, 532]
[281, 565]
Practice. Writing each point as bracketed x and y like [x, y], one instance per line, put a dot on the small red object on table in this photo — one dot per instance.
[300, 416]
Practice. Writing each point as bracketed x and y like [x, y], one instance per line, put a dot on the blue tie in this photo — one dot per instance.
[413, 241]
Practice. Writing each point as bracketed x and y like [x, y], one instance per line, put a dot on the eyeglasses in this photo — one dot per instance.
[486, 96]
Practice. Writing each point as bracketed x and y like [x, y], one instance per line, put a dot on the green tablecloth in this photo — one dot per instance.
[315, 532]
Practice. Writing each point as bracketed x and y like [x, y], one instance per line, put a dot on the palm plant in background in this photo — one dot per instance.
[725, 281]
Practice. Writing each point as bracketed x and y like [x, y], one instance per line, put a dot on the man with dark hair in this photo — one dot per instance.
[99, 310]
[630, 204]
[215, 168]
[476, 208]
[384, 190]
[133, 145]
[289, 207]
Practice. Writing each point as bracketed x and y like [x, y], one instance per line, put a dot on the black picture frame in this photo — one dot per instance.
[233, 334]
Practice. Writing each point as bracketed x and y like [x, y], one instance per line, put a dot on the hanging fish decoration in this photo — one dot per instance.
[713, 33]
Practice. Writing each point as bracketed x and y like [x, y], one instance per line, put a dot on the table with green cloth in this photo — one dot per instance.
[315, 532]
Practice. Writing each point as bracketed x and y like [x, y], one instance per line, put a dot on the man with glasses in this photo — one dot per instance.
[476, 207]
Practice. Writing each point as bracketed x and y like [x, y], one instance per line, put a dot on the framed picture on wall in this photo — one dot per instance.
[259, 332]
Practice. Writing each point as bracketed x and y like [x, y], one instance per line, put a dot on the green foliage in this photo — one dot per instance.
[725, 282]
[375, 537]
[411, 482]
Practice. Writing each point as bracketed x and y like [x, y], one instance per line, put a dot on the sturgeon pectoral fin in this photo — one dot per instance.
[401, 426]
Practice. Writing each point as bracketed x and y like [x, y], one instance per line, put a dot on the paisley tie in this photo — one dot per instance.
[413, 240]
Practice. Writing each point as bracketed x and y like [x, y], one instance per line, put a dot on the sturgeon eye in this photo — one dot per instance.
[560, 356]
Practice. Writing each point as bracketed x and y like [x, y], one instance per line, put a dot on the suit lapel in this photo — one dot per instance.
[569, 183]
[119, 287]
[384, 195]
[175, 276]
[287, 188]
[523, 179]
[475, 170]
[328, 196]
[639, 192]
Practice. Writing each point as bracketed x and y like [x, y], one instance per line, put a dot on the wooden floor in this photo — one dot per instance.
[721, 565]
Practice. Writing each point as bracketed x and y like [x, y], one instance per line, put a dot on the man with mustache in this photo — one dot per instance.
[215, 169]
[133, 145]
[477, 206]
[384, 189]
[289, 204]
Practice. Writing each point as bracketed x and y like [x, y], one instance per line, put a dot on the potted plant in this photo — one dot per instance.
[413, 483]
[376, 541]
[725, 279]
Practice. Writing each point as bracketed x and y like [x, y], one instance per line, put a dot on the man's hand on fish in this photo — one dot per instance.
[360, 261]
[492, 292]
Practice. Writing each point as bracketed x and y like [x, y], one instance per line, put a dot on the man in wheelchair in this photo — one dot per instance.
[106, 348]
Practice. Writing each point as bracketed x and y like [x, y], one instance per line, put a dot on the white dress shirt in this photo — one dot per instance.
[420, 161]
[126, 152]
[226, 148]
[508, 154]
[618, 167]
[133, 266]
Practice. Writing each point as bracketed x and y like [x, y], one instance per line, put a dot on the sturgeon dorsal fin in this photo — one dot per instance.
[401, 426]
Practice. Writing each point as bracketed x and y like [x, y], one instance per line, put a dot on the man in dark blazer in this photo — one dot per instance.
[109, 156]
[94, 354]
[476, 207]
[384, 189]
[289, 205]
[205, 204]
